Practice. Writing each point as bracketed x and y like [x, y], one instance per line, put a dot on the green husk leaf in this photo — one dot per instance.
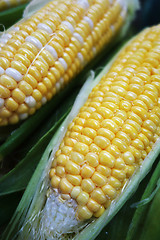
[151, 228]
[140, 214]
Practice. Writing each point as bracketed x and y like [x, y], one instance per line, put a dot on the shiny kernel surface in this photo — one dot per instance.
[115, 129]
[47, 54]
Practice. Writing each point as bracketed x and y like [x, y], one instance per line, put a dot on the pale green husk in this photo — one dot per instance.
[28, 212]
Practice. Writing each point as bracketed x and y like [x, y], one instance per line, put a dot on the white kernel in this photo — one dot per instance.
[63, 62]
[1, 71]
[83, 3]
[23, 116]
[15, 29]
[89, 21]
[1, 102]
[11, 72]
[43, 100]
[7, 36]
[112, 28]
[94, 50]
[34, 41]
[69, 25]
[44, 27]
[58, 86]
[30, 101]
[52, 51]
[79, 37]
[80, 57]
[3, 40]
[61, 80]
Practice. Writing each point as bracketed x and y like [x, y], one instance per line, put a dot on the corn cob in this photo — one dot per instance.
[41, 55]
[107, 142]
[5, 4]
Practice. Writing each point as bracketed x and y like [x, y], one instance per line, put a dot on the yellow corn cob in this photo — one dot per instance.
[43, 53]
[5, 4]
[113, 132]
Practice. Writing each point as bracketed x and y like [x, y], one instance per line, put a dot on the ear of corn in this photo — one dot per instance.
[5, 4]
[40, 55]
[90, 173]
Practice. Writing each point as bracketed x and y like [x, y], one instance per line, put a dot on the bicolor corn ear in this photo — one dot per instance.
[41, 54]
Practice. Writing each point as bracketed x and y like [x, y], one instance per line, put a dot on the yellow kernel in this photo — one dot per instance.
[8, 82]
[94, 148]
[99, 179]
[66, 150]
[92, 123]
[72, 168]
[124, 137]
[78, 158]
[92, 159]
[23, 59]
[52, 172]
[82, 198]
[65, 186]
[18, 95]
[5, 113]
[89, 132]
[87, 185]
[19, 66]
[87, 171]
[121, 114]
[150, 125]
[93, 205]
[131, 131]
[134, 124]
[33, 71]
[135, 152]
[125, 105]
[30, 80]
[60, 171]
[129, 170]
[114, 182]
[112, 149]
[13, 119]
[11, 105]
[4, 92]
[137, 143]
[109, 191]
[142, 113]
[147, 133]
[75, 192]
[81, 148]
[110, 125]
[106, 159]
[25, 88]
[118, 174]
[69, 141]
[101, 142]
[98, 196]
[134, 117]
[122, 146]
[77, 128]
[55, 180]
[99, 212]
[106, 133]
[83, 213]
[103, 170]
[106, 113]
[74, 179]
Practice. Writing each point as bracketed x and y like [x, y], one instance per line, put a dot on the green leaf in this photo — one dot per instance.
[140, 214]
